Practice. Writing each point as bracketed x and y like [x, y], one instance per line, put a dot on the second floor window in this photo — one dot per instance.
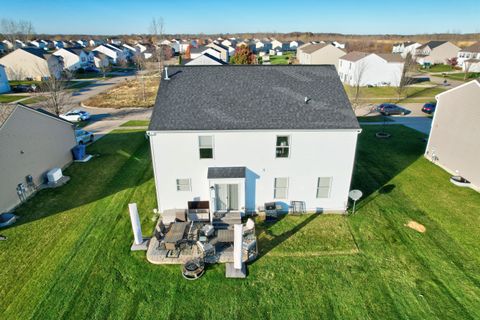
[282, 147]
[205, 144]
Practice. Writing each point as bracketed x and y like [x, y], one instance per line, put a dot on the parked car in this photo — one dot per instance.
[388, 109]
[24, 88]
[83, 136]
[429, 107]
[76, 116]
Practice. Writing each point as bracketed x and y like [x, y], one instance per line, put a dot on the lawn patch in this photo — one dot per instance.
[136, 123]
[11, 98]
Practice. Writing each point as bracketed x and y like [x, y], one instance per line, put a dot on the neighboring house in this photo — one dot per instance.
[436, 52]
[37, 44]
[32, 143]
[116, 42]
[320, 54]
[295, 44]
[372, 69]
[32, 63]
[224, 51]
[113, 52]
[453, 142]
[405, 48]
[98, 59]
[275, 44]
[470, 52]
[59, 44]
[200, 50]
[82, 43]
[48, 44]
[73, 58]
[338, 44]
[229, 43]
[8, 44]
[271, 134]
[95, 42]
[4, 85]
[146, 49]
[471, 65]
[131, 51]
[20, 44]
[206, 59]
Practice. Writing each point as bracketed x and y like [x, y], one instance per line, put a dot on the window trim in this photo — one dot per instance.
[289, 146]
[329, 187]
[178, 184]
[200, 148]
[275, 187]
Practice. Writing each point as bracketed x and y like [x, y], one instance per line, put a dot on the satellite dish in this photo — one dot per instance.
[355, 195]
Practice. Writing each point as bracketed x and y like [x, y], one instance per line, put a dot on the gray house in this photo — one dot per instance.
[32, 142]
[453, 143]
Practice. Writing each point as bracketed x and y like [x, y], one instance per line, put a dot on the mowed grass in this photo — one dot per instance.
[11, 98]
[68, 257]
[283, 59]
[136, 123]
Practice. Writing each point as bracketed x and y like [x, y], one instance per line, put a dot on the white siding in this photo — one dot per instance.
[312, 155]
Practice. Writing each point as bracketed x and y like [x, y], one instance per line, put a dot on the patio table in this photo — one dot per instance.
[175, 234]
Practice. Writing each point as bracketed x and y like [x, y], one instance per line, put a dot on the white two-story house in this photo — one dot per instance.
[405, 48]
[73, 58]
[370, 69]
[242, 136]
[469, 58]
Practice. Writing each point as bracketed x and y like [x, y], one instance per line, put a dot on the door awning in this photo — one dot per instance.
[226, 172]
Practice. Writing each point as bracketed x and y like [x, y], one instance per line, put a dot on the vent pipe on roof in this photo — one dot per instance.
[307, 99]
[166, 74]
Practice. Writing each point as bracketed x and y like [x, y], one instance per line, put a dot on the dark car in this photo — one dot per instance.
[429, 107]
[24, 88]
[388, 109]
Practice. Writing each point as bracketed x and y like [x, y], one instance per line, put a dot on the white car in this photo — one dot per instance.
[83, 136]
[76, 116]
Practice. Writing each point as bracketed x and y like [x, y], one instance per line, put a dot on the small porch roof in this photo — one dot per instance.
[226, 172]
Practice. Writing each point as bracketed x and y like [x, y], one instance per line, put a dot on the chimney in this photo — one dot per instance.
[166, 74]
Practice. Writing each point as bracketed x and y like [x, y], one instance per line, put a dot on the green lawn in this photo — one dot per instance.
[461, 76]
[11, 98]
[68, 256]
[34, 99]
[438, 68]
[76, 85]
[24, 82]
[136, 123]
[374, 119]
[390, 95]
[283, 59]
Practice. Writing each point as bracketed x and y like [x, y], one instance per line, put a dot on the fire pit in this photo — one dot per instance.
[193, 269]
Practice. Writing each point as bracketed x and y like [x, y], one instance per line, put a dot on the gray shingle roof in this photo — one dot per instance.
[252, 97]
[226, 172]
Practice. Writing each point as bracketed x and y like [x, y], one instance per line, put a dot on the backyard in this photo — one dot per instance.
[411, 94]
[68, 256]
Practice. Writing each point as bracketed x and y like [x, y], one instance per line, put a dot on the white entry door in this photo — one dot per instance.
[226, 196]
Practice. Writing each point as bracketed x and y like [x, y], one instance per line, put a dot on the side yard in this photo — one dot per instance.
[68, 256]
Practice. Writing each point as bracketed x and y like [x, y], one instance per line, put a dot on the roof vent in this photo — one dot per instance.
[166, 74]
[306, 100]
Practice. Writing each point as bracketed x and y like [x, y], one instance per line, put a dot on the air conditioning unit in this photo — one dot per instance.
[54, 175]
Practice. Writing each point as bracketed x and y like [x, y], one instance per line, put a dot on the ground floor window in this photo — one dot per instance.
[183, 185]
[280, 188]
[324, 185]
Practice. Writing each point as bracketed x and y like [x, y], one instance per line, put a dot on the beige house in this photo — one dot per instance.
[436, 52]
[321, 53]
[32, 63]
[32, 142]
[453, 143]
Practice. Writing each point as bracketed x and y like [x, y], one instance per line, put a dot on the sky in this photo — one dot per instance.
[110, 17]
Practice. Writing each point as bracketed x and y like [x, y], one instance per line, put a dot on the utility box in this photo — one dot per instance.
[54, 175]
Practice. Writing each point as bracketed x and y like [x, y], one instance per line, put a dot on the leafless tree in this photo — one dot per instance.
[358, 75]
[157, 31]
[140, 63]
[54, 89]
[467, 65]
[12, 30]
[405, 80]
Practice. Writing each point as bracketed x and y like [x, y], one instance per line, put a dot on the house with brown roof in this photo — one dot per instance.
[453, 142]
[436, 52]
[370, 69]
[320, 53]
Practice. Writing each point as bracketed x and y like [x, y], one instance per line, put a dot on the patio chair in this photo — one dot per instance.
[207, 251]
